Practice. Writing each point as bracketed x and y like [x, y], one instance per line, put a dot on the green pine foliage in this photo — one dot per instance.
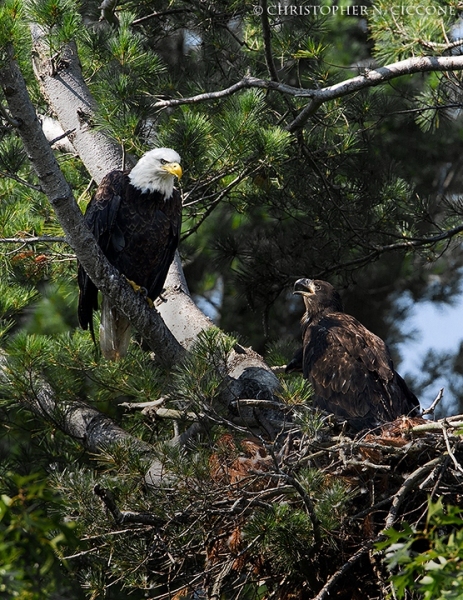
[12, 26]
[124, 73]
[33, 541]
[404, 31]
[197, 382]
[59, 18]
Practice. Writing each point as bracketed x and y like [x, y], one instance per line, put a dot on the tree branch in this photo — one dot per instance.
[126, 516]
[267, 35]
[409, 484]
[13, 176]
[370, 78]
[93, 429]
[8, 118]
[407, 244]
[47, 239]
[326, 589]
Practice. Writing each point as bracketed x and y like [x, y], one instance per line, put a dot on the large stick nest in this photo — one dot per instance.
[299, 517]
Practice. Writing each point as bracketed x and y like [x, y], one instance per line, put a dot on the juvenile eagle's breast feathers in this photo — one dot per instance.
[349, 367]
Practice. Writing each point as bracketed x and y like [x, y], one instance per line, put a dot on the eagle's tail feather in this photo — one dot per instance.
[114, 331]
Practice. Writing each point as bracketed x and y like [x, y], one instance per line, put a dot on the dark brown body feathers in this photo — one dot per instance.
[138, 233]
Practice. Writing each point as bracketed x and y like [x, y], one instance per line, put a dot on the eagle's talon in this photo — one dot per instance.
[136, 288]
[139, 289]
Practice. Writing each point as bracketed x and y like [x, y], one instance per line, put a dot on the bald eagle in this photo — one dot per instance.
[135, 217]
[350, 368]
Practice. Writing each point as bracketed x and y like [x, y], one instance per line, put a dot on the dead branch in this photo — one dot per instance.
[435, 402]
[370, 78]
[326, 589]
[407, 486]
[123, 517]
[451, 453]
[46, 239]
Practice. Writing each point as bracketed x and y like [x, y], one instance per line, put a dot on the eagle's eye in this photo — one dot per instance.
[317, 287]
[163, 161]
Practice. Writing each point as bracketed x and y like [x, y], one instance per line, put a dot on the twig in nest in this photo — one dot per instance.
[326, 589]
[150, 404]
[444, 425]
[121, 517]
[435, 402]
[408, 485]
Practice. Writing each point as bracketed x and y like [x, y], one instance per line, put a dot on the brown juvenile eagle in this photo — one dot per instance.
[135, 217]
[350, 368]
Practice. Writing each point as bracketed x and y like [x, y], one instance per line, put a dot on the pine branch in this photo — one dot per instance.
[325, 592]
[370, 78]
[126, 516]
[108, 12]
[31, 186]
[267, 35]
[159, 14]
[409, 484]
[8, 118]
[407, 244]
[46, 239]
[93, 429]
[217, 201]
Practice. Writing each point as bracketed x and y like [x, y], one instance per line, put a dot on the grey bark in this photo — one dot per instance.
[94, 430]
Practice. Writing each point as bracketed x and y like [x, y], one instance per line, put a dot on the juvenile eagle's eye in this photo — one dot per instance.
[317, 287]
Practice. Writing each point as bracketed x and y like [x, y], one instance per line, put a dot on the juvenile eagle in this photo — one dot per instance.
[135, 217]
[350, 368]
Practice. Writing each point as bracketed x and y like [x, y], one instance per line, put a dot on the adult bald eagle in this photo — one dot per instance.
[350, 368]
[135, 217]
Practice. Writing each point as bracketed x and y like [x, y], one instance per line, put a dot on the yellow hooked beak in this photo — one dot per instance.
[173, 168]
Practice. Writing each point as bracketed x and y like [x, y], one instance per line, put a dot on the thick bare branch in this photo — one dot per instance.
[74, 106]
[93, 429]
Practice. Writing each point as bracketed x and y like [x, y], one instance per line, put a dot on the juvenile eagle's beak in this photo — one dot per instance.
[174, 169]
[303, 287]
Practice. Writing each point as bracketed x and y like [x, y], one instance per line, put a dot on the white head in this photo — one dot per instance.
[156, 170]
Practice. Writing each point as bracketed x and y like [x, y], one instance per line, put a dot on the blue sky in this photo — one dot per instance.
[439, 327]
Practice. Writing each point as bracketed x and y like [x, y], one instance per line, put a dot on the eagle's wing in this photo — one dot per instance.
[166, 229]
[100, 217]
[350, 369]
